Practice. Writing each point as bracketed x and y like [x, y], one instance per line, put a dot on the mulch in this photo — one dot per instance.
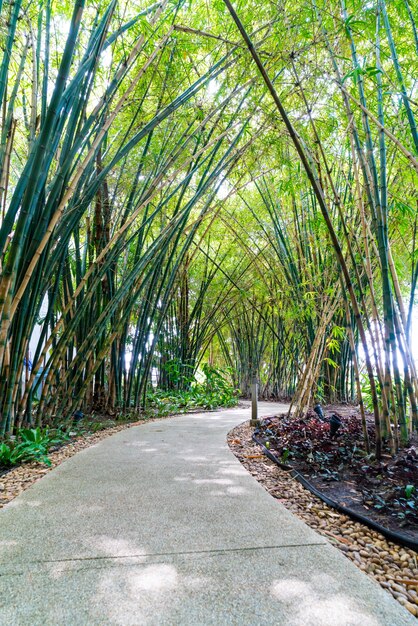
[395, 568]
[384, 491]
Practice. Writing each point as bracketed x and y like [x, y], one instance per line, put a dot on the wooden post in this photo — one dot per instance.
[254, 404]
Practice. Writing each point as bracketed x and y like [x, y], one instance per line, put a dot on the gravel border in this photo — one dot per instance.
[23, 476]
[393, 567]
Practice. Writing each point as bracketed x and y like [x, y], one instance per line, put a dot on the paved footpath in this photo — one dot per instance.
[161, 525]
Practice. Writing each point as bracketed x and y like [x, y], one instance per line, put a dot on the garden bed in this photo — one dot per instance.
[385, 491]
[394, 567]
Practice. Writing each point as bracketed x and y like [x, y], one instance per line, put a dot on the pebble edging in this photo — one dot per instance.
[395, 568]
[23, 476]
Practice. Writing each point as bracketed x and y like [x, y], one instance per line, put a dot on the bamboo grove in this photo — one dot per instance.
[225, 182]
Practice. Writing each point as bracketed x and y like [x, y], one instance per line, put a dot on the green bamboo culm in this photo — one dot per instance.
[164, 207]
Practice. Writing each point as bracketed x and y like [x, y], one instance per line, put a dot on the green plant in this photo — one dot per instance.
[214, 391]
[405, 501]
[8, 454]
[285, 455]
[173, 369]
[217, 388]
[408, 491]
[30, 445]
[366, 392]
[320, 393]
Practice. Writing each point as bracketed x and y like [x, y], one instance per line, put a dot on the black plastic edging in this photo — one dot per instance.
[399, 538]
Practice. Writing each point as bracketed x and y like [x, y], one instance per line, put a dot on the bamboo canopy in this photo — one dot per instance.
[234, 183]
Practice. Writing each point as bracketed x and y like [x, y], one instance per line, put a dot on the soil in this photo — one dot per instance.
[385, 491]
[394, 567]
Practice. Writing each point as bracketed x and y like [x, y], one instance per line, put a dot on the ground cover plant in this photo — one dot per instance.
[31, 445]
[383, 490]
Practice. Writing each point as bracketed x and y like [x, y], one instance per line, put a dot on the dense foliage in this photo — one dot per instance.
[182, 183]
[215, 391]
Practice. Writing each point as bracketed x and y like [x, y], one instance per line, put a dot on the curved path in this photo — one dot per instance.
[161, 525]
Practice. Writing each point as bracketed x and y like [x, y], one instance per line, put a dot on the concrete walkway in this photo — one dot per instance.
[161, 525]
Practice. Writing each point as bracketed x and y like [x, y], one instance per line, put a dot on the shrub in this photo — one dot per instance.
[31, 444]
